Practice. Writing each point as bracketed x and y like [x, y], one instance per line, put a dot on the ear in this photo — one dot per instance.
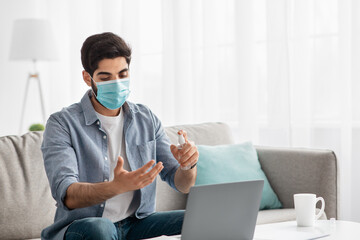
[86, 78]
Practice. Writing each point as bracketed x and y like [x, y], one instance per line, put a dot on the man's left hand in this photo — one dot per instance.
[188, 155]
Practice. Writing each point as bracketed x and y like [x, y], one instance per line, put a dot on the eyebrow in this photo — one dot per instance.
[107, 73]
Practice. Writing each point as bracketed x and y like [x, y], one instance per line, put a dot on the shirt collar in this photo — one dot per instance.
[89, 112]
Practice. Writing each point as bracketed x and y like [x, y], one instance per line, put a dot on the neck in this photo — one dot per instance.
[103, 110]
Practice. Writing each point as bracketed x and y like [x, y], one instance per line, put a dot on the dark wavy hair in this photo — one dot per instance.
[100, 46]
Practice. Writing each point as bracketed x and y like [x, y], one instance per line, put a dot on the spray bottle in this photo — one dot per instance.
[182, 143]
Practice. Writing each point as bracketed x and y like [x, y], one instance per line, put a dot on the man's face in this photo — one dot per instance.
[108, 69]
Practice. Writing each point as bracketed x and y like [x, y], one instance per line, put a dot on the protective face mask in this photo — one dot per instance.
[112, 94]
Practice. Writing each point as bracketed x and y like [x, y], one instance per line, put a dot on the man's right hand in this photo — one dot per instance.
[82, 194]
[125, 181]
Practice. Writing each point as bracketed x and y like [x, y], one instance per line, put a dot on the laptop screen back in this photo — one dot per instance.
[222, 211]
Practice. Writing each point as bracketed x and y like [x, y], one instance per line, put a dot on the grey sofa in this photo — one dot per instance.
[26, 205]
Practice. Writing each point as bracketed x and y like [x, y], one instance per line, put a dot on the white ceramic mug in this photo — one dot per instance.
[305, 205]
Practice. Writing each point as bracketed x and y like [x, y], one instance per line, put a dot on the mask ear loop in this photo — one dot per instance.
[93, 85]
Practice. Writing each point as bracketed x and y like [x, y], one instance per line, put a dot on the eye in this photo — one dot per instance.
[104, 79]
[123, 75]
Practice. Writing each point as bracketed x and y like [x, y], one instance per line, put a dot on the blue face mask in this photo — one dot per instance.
[112, 94]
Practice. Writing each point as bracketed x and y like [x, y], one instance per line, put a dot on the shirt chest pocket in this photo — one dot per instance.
[147, 151]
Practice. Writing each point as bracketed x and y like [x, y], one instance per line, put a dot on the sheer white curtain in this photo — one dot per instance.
[280, 72]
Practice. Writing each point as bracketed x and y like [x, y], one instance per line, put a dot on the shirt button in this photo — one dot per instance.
[104, 136]
[98, 123]
[106, 180]
[102, 205]
[105, 158]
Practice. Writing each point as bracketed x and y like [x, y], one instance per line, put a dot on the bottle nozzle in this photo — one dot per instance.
[181, 139]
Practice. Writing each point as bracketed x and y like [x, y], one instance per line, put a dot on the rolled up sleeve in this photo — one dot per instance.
[59, 159]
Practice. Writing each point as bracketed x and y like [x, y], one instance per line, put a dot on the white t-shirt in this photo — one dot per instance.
[122, 205]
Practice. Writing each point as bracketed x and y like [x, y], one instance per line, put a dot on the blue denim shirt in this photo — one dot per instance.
[75, 149]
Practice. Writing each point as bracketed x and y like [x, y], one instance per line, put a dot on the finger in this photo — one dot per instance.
[184, 133]
[145, 183]
[153, 175]
[175, 151]
[185, 136]
[157, 172]
[158, 166]
[187, 155]
[119, 164]
[150, 176]
[188, 146]
[144, 168]
[192, 160]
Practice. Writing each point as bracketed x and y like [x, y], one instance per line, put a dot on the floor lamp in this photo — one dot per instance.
[32, 39]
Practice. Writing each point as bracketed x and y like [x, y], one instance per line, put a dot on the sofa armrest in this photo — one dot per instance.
[291, 170]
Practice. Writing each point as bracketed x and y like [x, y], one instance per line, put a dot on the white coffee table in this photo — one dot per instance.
[323, 229]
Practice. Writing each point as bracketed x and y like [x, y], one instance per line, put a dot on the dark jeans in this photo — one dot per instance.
[131, 228]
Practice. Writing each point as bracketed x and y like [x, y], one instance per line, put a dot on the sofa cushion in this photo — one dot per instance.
[233, 163]
[26, 203]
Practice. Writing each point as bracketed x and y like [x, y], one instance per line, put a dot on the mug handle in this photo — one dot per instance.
[322, 207]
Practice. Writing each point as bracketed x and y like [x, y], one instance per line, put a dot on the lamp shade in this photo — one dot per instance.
[32, 39]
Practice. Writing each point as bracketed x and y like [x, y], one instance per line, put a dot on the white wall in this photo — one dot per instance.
[15, 73]
[72, 22]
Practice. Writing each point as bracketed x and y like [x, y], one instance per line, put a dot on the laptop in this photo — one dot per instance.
[222, 211]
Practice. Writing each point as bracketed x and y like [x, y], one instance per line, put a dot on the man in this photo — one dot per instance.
[100, 156]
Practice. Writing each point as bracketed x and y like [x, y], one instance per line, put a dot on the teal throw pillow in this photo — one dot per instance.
[234, 163]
